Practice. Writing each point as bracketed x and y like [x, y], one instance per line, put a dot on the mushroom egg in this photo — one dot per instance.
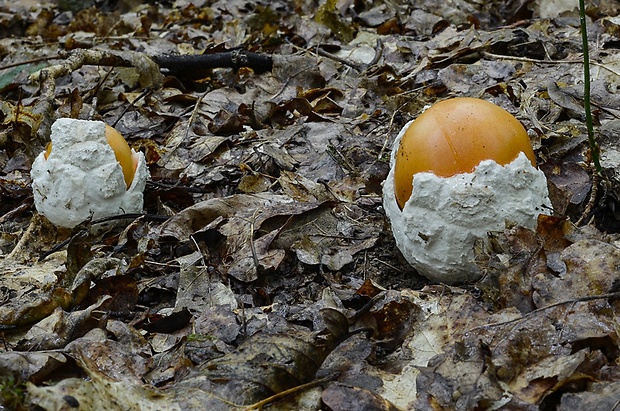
[87, 171]
[461, 169]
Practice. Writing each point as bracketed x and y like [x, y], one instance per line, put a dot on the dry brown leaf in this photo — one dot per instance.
[339, 397]
[33, 366]
[310, 139]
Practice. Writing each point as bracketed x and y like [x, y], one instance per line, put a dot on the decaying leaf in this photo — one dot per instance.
[31, 293]
[340, 397]
[602, 396]
[33, 366]
[586, 267]
[264, 244]
[98, 389]
[241, 218]
[263, 366]
[509, 363]
[328, 16]
[199, 289]
[60, 327]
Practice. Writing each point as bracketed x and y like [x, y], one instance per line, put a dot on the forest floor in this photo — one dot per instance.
[263, 273]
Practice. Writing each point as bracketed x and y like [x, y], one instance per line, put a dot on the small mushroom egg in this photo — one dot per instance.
[87, 171]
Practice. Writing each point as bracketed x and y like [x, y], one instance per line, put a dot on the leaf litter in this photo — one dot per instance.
[263, 273]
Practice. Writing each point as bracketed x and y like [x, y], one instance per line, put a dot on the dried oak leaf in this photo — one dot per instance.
[239, 219]
[601, 396]
[521, 361]
[340, 397]
[585, 268]
[261, 367]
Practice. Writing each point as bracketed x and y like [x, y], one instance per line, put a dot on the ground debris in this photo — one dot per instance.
[263, 271]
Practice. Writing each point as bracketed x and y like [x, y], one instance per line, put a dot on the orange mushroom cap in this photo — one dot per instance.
[122, 151]
[453, 137]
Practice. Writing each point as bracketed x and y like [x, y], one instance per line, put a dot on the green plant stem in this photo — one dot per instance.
[594, 148]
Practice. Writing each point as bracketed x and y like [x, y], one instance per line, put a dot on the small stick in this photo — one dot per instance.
[261, 404]
[235, 59]
[548, 307]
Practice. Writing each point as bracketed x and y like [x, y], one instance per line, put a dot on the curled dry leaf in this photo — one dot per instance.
[33, 366]
[309, 138]
[61, 327]
[339, 397]
[262, 366]
[510, 363]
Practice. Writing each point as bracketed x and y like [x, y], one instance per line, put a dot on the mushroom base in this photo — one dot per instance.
[440, 223]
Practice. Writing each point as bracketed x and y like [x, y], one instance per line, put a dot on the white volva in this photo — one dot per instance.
[81, 178]
[437, 228]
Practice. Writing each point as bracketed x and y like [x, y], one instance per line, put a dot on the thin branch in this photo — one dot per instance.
[548, 307]
[291, 391]
[594, 147]
[144, 93]
[31, 61]
[551, 62]
[592, 201]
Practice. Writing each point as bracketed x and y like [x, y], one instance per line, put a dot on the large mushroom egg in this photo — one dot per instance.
[463, 168]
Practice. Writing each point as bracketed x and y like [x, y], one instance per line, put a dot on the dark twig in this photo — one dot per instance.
[346, 62]
[596, 177]
[84, 232]
[192, 65]
[150, 217]
[291, 391]
[146, 92]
